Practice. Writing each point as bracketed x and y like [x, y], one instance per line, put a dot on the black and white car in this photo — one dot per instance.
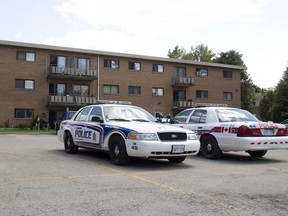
[126, 131]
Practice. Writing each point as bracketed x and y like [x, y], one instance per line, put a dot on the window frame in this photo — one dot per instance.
[203, 94]
[156, 68]
[226, 97]
[132, 65]
[226, 74]
[108, 63]
[24, 56]
[155, 92]
[24, 84]
[26, 114]
[110, 90]
[201, 72]
[134, 92]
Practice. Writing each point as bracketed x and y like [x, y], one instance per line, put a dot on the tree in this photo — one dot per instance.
[280, 102]
[199, 53]
[266, 104]
[247, 87]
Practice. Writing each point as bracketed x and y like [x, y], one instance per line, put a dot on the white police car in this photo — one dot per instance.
[126, 131]
[224, 129]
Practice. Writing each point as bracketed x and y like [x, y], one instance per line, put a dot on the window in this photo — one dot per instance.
[179, 95]
[57, 89]
[109, 63]
[134, 66]
[227, 95]
[157, 91]
[182, 116]
[81, 90]
[181, 71]
[201, 72]
[134, 90]
[58, 61]
[227, 74]
[82, 63]
[198, 116]
[158, 68]
[201, 94]
[111, 89]
[26, 56]
[24, 84]
[83, 114]
[24, 113]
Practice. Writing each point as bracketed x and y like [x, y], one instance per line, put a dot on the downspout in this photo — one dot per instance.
[98, 80]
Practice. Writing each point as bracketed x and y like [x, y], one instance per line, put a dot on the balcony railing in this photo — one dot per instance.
[183, 81]
[183, 104]
[72, 72]
[72, 100]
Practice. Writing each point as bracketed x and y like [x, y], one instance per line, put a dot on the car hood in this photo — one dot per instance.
[146, 127]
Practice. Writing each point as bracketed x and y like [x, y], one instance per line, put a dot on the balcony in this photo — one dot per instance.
[182, 81]
[183, 104]
[61, 100]
[72, 73]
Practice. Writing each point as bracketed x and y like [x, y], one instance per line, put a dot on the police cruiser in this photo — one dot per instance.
[126, 131]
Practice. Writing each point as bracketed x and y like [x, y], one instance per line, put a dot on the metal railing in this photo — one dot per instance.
[183, 104]
[73, 71]
[77, 100]
[183, 80]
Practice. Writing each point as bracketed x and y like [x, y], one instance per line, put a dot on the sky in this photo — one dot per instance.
[257, 29]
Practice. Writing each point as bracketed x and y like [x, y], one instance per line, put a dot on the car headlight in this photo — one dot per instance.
[143, 136]
[191, 136]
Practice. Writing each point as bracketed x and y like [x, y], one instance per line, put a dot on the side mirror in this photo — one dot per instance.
[96, 119]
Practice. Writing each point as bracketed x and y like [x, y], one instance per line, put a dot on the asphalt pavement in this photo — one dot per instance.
[37, 177]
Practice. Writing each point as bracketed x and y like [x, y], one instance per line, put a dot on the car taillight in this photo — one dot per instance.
[244, 131]
[282, 132]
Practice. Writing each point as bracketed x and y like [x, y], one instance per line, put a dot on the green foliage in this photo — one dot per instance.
[199, 53]
[266, 104]
[247, 87]
[280, 107]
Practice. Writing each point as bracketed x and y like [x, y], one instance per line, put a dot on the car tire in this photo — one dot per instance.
[257, 153]
[117, 151]
[178, 159]
[210, 148]
[69, 144]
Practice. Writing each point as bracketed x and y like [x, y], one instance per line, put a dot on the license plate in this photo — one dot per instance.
[267, 132]
[178, 148]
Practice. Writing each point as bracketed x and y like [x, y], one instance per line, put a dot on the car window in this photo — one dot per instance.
[96, 111]
[182, 116]
[83, 114]
[198, 116]
[234, 115]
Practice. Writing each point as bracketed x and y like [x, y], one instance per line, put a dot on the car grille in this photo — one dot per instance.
[168, 136]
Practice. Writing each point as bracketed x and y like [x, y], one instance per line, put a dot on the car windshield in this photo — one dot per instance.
[234, 115]
[127, 113]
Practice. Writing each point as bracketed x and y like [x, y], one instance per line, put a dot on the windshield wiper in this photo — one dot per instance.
[140, 120]
[118, 119]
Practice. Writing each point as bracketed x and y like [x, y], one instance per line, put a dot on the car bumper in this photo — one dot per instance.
[253, 143]
[152, 149]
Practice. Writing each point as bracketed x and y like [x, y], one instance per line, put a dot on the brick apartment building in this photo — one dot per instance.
[44, 81]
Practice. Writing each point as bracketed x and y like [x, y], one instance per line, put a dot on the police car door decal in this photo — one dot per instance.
[88, 135]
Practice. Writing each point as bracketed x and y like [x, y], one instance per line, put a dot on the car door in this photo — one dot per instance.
[195, 121]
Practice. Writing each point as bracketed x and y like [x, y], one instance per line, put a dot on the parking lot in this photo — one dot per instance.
[37, 177]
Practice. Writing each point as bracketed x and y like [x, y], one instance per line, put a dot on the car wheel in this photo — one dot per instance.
[117, 151]
[178, 159]
[210, 148]
[257, 153]
[69, 145]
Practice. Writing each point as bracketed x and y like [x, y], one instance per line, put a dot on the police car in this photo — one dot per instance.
[126, 131]
[224, 129]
